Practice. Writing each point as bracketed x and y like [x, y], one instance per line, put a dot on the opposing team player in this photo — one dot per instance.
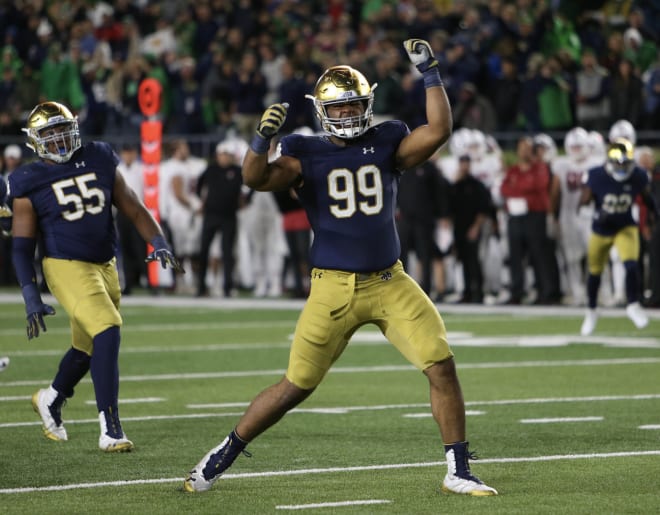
[67, 198]
[347, 182]
[571, 170]
[613, 188]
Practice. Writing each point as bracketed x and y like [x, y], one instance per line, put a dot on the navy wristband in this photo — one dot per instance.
[432, 78]
[32, 298]
[259, 144]
[158, 242]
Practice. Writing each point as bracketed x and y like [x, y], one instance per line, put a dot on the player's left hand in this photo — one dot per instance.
[166, 258]
[5, 220]
[420, 54]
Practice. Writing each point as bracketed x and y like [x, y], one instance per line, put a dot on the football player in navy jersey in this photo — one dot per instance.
[347, 182]
[613, 188]
[66, 199]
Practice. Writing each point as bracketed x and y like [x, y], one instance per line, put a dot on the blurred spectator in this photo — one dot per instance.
[217, 92]
[133, 250]
[422, 202]
[219, 187]
[180, 207]
[592, 94]
[248, 90]
[642, 52]
[473, 110]
[626, 94]
[470, 208]
[525, 190]
[651, 79]
[12, 157]
[187, 108]
[271, 66]
[504, 92]
[60, 80]
[388, 101]
[654, 245]
[292, 90]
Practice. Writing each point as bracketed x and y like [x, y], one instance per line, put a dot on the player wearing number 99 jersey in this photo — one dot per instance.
[347, 182]
[66, 199]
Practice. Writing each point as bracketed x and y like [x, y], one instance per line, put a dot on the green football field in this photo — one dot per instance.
[561, 423]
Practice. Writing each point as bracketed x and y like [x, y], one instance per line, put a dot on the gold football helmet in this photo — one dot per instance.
[341, 85]
[620, 159]
[52, 132]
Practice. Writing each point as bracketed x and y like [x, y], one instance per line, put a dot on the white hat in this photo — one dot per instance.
[13, 151]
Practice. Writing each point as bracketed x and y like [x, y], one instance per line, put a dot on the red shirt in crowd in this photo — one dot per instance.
[529, 182]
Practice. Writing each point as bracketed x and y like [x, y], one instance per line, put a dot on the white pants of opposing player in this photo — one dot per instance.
[187, 240]
[573, 239]
[263, 225]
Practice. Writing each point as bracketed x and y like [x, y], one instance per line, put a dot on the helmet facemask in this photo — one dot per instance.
[620, 160]
[342, 85]
[52, 132]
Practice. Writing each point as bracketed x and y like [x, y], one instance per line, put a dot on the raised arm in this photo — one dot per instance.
[422, 142]
[257, 172]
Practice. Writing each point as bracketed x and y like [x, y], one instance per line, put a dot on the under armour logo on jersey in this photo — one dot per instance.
[78, 165]
[369, 150]
[386, 276]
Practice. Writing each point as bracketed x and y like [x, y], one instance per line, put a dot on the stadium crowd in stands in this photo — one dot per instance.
[509, 67]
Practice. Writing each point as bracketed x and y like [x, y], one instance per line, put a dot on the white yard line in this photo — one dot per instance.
[334, 410]
[337, 504]
[359, 370]
[330, 470]
[560, 420]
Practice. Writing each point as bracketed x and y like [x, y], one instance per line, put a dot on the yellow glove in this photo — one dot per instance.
[272, 120]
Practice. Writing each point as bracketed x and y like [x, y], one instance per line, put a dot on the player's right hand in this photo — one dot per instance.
[35, 319]
[272, 120]
[420, 54]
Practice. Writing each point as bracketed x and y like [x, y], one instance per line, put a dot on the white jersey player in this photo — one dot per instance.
[180, 205]
[574, 226]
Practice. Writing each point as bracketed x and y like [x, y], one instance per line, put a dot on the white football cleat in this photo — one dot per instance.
[589, 323]
[214, 463]
[51, 417]
[196, 481]
[459, 478]
[470, 485]
[109, 444]
[637, 315]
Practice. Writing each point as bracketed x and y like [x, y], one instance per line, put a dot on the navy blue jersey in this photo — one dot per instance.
[73, 202]
[349, 194]
[614, 199]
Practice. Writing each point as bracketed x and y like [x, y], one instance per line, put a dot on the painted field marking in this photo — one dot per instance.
[355, 370]
[370, 338]
[560, 420]
[143, 400]
[348, 409]
[331, 504]
[429, 414]
[650, 426]
[329, 470]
